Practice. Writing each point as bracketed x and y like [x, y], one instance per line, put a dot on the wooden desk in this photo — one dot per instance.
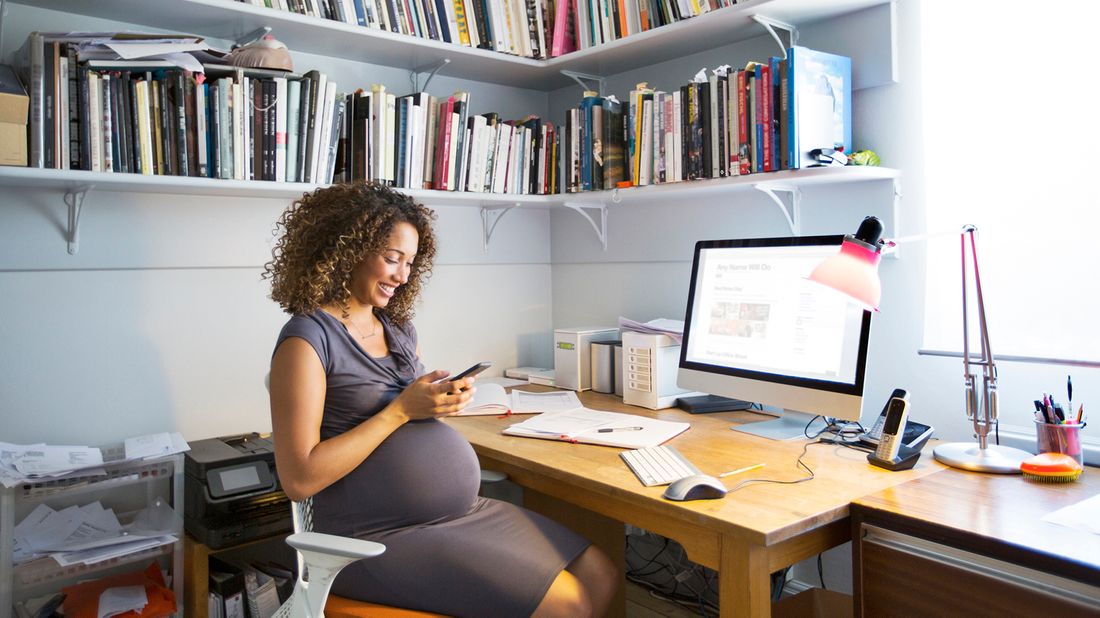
[978, 541]
[752, 532]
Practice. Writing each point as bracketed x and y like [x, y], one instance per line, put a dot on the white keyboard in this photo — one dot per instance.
[658, 465]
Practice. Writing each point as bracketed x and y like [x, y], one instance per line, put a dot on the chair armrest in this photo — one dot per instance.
[343, 546]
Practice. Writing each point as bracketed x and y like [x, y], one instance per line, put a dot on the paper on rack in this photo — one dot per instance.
[50, 460]
[155, 445]
[1084, 515]
[121, 599]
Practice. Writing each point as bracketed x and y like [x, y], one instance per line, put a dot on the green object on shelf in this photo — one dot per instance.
[864, 157]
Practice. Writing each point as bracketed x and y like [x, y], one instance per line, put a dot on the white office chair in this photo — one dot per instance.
[321, 557]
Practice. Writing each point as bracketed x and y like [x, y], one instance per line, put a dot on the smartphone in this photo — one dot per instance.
[472, 371]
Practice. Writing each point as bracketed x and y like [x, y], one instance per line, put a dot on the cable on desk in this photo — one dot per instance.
[821, 573]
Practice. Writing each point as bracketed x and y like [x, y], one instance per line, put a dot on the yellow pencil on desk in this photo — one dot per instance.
[740, 470]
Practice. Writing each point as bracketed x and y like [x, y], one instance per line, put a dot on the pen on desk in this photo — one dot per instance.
[1069, 393]
[740, 470]
[1080, 413]
[610, 429]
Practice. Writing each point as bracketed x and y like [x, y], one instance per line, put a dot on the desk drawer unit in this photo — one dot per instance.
[903, 575]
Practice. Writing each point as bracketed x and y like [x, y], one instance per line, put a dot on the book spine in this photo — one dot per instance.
[765, 104]
[202, 123]
[179, 92]
[95, 115]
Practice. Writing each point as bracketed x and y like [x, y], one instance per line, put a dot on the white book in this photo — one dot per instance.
[350, 15]
[247, 109]
[713, 111]
[239, 143]
[281, 125]
[225, 128]
[201, 130]
[543, 51]
[417, 121]
[431, 135]
[332, 138]
[377, 144]
[501, 41]
[293, 118]
[314, 148]
[63, 115]
[520, 33]
[500, 157]
[464, 159]
[645, 149]
[515, 161]
[410, 138]
[476, 177]
[471, 23]
[95, 117]
[389, 136]
[325, 107]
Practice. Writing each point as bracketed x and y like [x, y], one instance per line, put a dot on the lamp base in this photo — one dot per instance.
[969, 456]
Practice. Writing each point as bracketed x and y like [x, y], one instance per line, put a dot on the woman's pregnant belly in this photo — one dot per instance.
[423, 472]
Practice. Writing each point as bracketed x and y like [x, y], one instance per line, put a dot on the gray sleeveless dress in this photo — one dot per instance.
[447, 550]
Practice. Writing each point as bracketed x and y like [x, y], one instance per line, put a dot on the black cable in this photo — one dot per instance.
[649, 561]
[821, 573]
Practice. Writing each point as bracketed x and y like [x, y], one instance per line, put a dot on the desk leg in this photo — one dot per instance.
[744, 584]
[605, 533]
[196, 569]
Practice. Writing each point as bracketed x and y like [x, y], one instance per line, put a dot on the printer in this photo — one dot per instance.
[232, 492]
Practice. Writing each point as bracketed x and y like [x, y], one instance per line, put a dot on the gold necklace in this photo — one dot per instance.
[373, 332]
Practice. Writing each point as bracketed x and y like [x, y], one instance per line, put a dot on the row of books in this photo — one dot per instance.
[765, 117]
[437, 144]
[149, 118]
[530, 28]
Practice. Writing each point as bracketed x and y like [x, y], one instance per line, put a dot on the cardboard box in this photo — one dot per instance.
[13, 144]
[14, 101]
[815, 602]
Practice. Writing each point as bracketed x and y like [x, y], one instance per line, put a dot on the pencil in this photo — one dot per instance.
[740, 470]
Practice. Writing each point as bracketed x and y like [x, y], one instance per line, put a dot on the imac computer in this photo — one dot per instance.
[758, 330]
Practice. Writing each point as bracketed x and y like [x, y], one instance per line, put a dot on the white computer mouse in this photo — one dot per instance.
[696, 487]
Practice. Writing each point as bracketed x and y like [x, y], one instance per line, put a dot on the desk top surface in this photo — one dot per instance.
[764, 513]
[992, 510]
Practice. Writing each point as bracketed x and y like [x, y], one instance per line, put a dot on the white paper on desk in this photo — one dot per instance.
[119, 600]
[1085, 515]
[99, 554]
[568, 422]
[22, 550]
[524, 402]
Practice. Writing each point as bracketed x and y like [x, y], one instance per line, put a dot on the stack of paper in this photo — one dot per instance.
[660, 326]
[20, 462]
[83, 535]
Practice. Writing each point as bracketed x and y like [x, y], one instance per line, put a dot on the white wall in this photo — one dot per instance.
[161, 321]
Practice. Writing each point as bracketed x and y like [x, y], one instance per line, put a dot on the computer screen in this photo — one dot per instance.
[756, 329]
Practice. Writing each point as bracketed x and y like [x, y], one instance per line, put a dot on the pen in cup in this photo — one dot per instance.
[610, 429]
[740, 470]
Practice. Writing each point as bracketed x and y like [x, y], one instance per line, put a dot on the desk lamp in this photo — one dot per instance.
[854, 272]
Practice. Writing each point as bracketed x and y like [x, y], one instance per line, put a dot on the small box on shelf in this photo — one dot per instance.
[13, 118]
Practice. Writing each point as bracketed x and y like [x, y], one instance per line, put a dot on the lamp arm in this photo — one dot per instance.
[987, 418]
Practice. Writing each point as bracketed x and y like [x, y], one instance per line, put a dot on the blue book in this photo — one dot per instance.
[587, 104]
[820, 109]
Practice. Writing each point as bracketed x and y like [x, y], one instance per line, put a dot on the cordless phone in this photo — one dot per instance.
[897, 412]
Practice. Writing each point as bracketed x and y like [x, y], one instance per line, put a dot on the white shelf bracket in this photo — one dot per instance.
[430, 69]
[793, 213]
[896, 232]
[490, 216]
[582, 208]
[771, 24]
[74, 199]
[581, 77]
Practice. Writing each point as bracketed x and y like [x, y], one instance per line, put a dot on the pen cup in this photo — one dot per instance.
[1054, 438]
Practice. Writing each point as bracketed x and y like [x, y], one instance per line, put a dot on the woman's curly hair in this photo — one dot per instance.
[328, 232]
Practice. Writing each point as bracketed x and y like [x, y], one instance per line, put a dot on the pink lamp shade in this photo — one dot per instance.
[853, 272]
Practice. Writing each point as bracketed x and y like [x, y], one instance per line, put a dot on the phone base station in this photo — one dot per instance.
[906, 459]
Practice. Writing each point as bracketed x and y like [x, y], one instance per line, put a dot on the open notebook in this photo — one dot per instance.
[598, 427]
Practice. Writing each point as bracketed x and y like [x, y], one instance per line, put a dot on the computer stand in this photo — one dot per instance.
[789, 425]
